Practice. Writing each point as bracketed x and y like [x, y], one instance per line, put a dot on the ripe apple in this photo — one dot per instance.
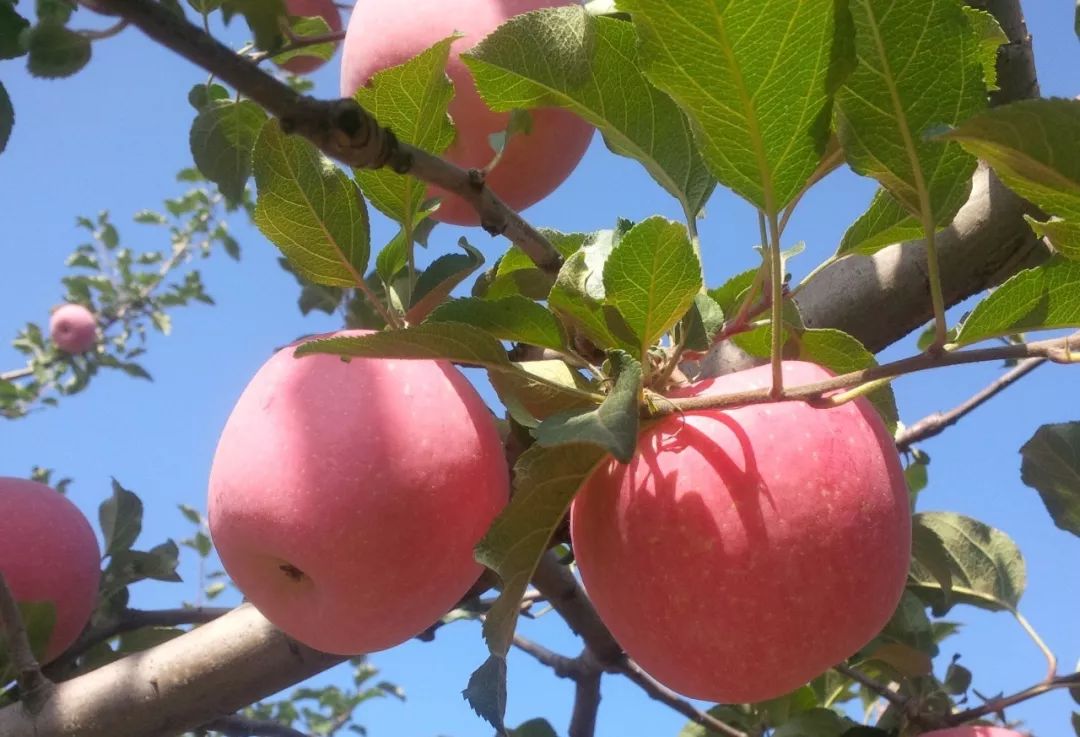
[48, 553]
[346, 497]
[969, 730]
[742, 552]
[325, 9]
[73, 328]
[534, 163]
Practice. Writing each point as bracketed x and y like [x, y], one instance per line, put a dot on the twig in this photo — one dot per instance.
[105, 33]
[881, 689]
[666, 696]
[299, 42]
[16, 374]
[564, 667]
[340, 128]
[1058, 351]
[586, 697]
[996, 705]
[34, 687]
[236, 726]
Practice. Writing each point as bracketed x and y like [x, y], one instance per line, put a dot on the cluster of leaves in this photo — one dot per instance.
[128, 290]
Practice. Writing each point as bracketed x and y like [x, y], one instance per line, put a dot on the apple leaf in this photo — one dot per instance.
[542, 389]
[757, 81]
[919, 68]
[411, 100]
[308, 26]
[909, 626]
[991, 37]
[39, 619]
[263, 18]
[534, 728]
[310, 210]
[517, 274]
[565, 57]
[545, 482]
[55, 50]
[884, 223]
[7, 118]
[1031, 145]
[465, 344]
[814, 723]
[986, 568]
[701, 324]
[651, 277]
[121, 519]
[513, 318]
[612, 426]
[1051, 466]
[12, 26]
[729, 295]
[222, 140]
[486, 692]
[440, 278]
[1064, 235]
[1042, 298]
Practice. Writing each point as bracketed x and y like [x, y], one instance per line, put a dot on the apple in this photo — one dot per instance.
[346, 497]
[742, 552]
[48, 553]
[325, 9]
[73, 328]
[383, 34]
[969, 730]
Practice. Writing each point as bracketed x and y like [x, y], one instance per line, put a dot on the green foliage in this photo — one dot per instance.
[440, 278]
[39, 618]
[304, 28]
[11, 27]
[884, 223]
[566, 57]
[991, 38]
[534, 728]
[222, 138]
[263, 18]
[121, 519]
[7, 118]
[762, 133]
[55, 51]
[1051, 466]
[514, 318]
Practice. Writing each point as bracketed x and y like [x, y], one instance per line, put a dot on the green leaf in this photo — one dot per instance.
[11, 27]
[1064, 235]
[534, 728]
[1076, 715]
[222, 139]
[652, 277]
[957, 679]
[757, 81]
[7, 118]
[704, 320]
[129, 566]
[304, 27]
[441, 277]
[545, 482]
[263, 18]
[1031, 145]
[542, 389]
[814, 723]
[411, 100]
[56, 51]
[991, 37]
[729, 295]
[884, 223]
[39, 618]
[310, 209]
[121, 519]
[986, 568]
[516, 274]
[190, 514]
[1043, 298]
[565, 57]
[449, 341]
[612, 426]
[1051, 466]
[486, 692]
[919, 68]
[510, 318]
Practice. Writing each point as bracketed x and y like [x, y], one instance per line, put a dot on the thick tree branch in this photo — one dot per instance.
[586, 698]
[340, 128]
[177, 686]
[565, 595]
[34, 687]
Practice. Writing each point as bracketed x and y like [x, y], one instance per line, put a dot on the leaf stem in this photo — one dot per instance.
[776, 298]
[1051, 659]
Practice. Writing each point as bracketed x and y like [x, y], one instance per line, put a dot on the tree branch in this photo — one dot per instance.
[340, 128]
[996, 705]
[34, 687]
[586, 697]
[236, 726]
[666, 696]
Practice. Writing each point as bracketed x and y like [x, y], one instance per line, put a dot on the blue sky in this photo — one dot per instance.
[112, 137]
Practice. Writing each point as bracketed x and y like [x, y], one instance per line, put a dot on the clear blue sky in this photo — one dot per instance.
[113, 136]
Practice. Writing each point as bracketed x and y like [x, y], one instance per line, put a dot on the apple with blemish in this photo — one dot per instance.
[73, 329]
[325, 9]
[534, 163]
[744, 551]
[49, 554]
[346, 497]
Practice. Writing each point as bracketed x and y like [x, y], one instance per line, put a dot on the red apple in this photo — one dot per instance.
[974, 731]
[325, 9]
[346, 497]
[742, 552]
[73, 328]
[48, 553]
[534, 163]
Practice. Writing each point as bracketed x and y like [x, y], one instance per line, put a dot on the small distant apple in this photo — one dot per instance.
[346, 497]
[325, 9]
[744, 551]
[73, 329]
[48, 553]
[974, 731]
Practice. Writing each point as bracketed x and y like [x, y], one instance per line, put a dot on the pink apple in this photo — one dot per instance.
[383, 33]
[73, 328]
[48, 553]
[974, 731]
[743, 552]
[325, 9]
[346, 497]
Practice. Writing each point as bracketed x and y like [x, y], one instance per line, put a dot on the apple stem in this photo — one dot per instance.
[34, 687]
